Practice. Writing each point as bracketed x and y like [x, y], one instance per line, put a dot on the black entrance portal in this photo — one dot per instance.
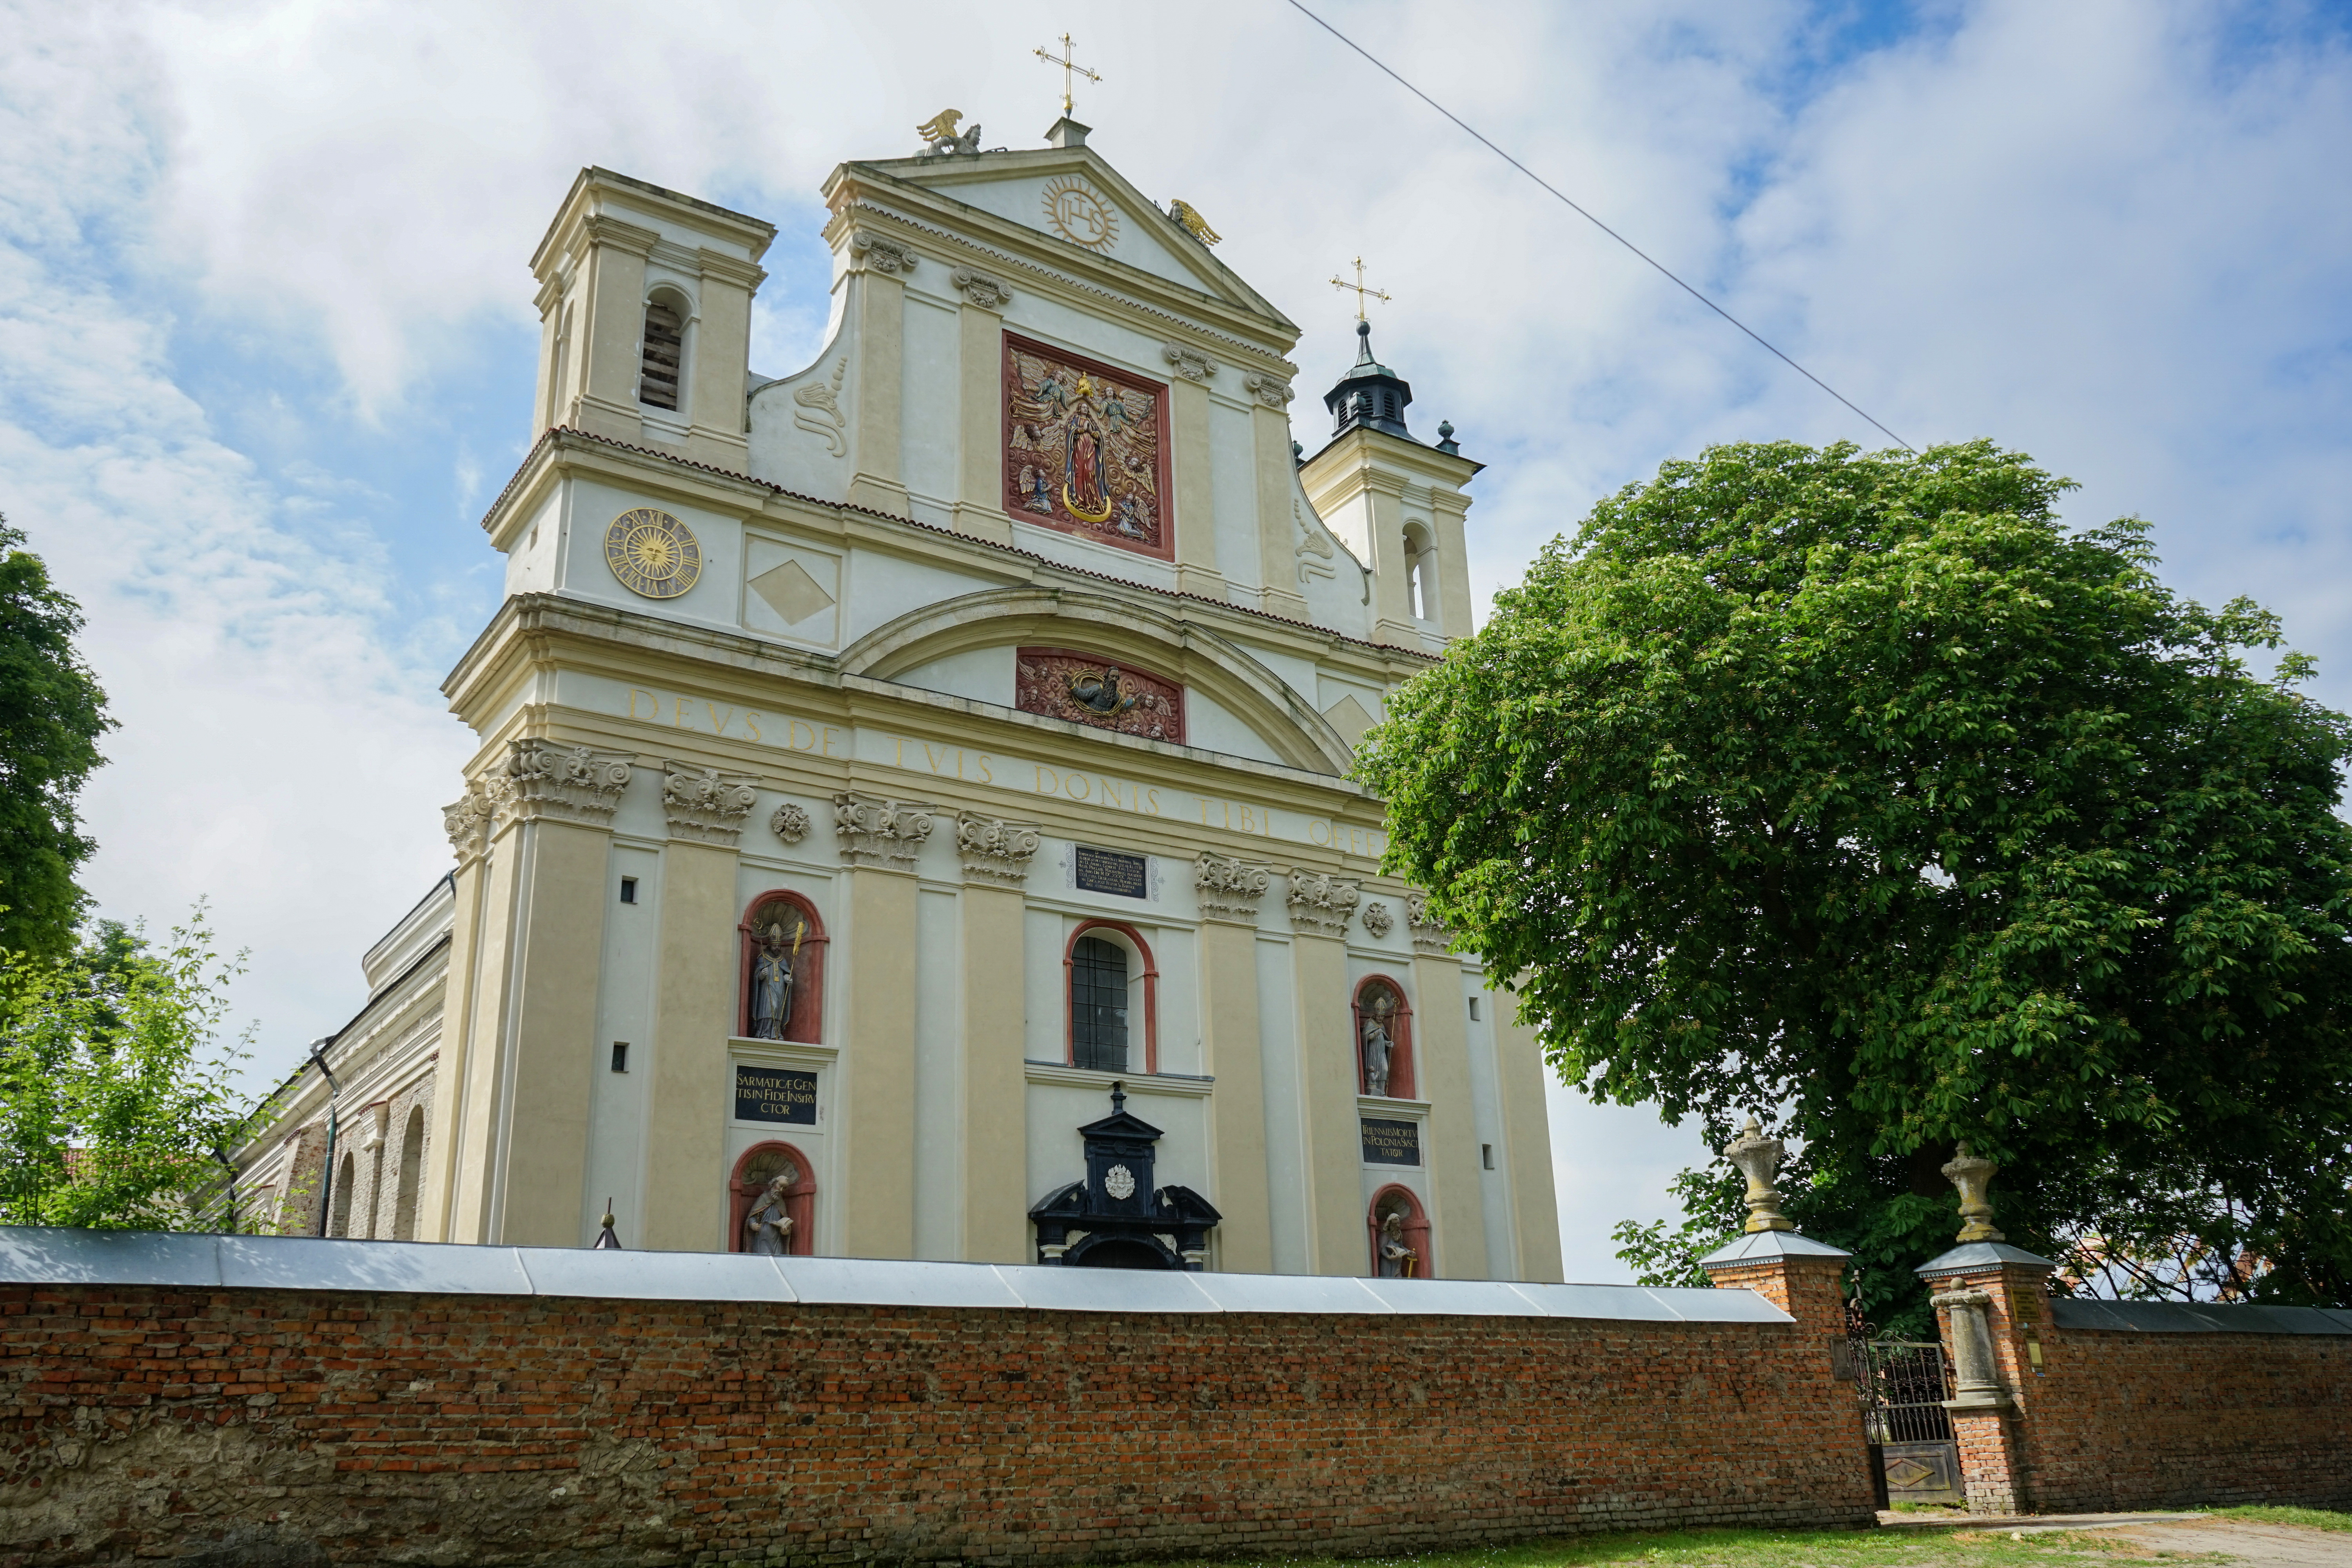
[1116, 1218]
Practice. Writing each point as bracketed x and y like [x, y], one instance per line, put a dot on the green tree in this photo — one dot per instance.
[52, 714]
[1858, 790]
[117, 1094]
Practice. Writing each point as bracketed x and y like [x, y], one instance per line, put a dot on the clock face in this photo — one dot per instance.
[652, 554]
[1080, 215]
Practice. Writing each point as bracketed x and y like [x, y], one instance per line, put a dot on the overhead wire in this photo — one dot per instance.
[1563, 199]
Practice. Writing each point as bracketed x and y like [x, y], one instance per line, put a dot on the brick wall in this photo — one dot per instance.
[2121, 1420]
[354, 1428]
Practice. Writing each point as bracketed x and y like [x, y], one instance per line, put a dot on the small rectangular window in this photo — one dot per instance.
[1474, 1009]
[1486, 1155]
[628, 889]
[620, 1055]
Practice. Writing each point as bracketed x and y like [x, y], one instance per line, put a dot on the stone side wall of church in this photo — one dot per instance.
[2118, 1420]
[356, 1427]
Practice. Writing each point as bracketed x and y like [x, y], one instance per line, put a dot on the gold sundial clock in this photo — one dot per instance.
[1081, 214]
[652, 554]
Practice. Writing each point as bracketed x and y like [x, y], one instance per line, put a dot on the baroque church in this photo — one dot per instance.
[911, 816]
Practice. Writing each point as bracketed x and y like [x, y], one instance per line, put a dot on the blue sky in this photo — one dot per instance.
[267, 343]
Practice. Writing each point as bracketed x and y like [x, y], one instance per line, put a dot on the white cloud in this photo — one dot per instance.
[2114, 234]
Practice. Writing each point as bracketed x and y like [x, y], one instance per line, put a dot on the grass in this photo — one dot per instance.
[2309, 1517]
[1791, 1549]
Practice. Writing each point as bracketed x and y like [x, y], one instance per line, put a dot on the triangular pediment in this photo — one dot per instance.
[1078, 204]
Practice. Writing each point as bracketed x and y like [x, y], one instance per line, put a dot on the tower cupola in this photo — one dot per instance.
[1370, 396]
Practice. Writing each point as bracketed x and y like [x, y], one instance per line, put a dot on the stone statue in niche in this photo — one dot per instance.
[1379, 1043]
[1397, 1259]
[772, 981]
[770, 1228]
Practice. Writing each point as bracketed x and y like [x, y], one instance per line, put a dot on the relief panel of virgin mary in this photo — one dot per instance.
[1085, 448]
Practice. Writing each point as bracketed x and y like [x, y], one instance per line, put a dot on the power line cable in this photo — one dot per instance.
[1595, 222]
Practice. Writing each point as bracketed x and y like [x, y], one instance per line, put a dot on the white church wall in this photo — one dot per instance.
[791, 590]
[930, 382]
[981, 675]
[715, 598]
[1485, 1105]
[615, 1167]
[1232, 487]
[1211, 727]
[532, 565]
[884, 585]
[801, 426]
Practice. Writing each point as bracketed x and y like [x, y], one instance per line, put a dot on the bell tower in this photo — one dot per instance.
[644, 307]
[1397, 502]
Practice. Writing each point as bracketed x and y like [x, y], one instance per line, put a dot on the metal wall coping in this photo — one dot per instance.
[31, 1255]
[2196, 1317]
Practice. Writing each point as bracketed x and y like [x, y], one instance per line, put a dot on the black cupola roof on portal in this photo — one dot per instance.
[1370, 396]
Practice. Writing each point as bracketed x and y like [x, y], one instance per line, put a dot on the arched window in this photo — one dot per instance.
[347, 1175]
[411, 1175]
[781, 935]
[665, 353]
[1420, 562]
[1400, 1233]
[762, 1163]
[1384, 1040]
[1113, 993]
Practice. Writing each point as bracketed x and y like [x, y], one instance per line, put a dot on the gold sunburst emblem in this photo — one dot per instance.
[652, 554]
[1081, 214]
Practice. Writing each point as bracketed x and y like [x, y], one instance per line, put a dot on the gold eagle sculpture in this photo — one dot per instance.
[1194, 224]
[938, 133]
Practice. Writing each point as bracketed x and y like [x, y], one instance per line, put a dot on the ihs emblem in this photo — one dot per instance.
[1080, 215]
[652, 554]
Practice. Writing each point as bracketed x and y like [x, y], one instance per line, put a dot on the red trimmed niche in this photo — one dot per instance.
[782, 907]
[1416, 1227]
[750, 1177]
[1402, 1081]
[1151, 994]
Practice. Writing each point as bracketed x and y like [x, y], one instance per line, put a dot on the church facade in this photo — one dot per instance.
[912, 794]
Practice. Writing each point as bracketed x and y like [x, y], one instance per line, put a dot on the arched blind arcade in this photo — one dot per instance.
[1098, 1005]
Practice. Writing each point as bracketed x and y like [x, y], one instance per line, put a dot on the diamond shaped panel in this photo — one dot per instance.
[791, 592]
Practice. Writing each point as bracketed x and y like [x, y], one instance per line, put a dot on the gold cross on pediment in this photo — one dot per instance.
[1068, 61]
[1362, 293]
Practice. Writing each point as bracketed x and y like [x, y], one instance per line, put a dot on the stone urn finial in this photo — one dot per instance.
[1758, 1159]
[1972, 1173]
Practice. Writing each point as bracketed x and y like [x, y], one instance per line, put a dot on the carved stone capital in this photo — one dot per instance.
[569, 784]
[979, 288]
[1378, 920]
[1186, 362]
[884, 834]
[1430, 935]
[1270, 390]
[704, 804]
[994, 850]
[789, 823]
[880, 255]
[1321, 905]
[468, 823]
[1228, 889]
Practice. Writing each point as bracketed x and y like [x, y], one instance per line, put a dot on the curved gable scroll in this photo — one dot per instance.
[1180, 653]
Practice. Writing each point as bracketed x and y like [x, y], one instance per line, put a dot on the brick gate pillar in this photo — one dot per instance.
[1795, 1273]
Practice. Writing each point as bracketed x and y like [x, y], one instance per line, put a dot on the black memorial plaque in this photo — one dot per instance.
[1110, 871]
[1392, 1143]
[775, 1094]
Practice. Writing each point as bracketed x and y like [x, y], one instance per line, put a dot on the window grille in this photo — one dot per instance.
[1098, 1005]
[665, 349]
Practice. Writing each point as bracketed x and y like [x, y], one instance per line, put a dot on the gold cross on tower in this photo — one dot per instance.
[1362, 293]
[1067, 60]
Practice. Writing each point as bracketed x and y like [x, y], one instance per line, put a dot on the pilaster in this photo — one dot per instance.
[880, 840]
[694, 1014]
[1277, 530]
[1319, 909]
[1228, 892]
[468, 823]
[878, 481]
[995, 856]
[1447, 510]
[980, 497]
[722, 353]
[1196, 519]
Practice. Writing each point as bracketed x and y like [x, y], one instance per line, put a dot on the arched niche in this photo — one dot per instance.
[752, 1173]
[1379, 997]
[1142, 987]
[1414, 1229]
[792, 911]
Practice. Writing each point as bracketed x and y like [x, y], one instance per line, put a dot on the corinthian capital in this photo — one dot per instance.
[884, 834]
[1430, 935]
[703, 803]
[1321, 905]
[1228, 889]
[569, 784]
[994, 850]
[468, 823]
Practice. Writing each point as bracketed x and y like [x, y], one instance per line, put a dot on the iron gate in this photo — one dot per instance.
[1903, 1385]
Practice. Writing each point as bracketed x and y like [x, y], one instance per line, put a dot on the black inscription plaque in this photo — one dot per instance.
[776, 1094]
[1110, 871]
[1392, 1143]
